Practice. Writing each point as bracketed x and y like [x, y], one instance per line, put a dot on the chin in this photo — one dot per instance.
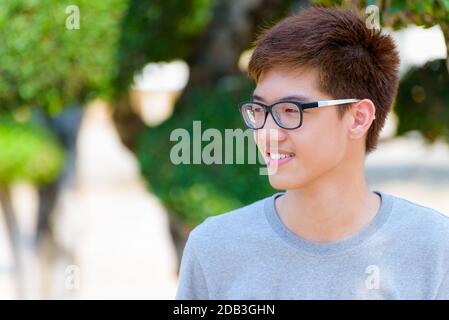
[284, 182]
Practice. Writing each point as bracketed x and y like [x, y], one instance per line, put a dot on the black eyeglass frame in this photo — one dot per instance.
[300, 105]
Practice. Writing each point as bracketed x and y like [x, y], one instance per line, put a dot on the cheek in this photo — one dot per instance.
[318, 150]
[319, 147]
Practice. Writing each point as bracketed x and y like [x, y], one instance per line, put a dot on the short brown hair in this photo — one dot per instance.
[353, 61]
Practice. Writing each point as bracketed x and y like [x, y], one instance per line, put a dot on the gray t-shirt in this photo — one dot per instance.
[248, 253]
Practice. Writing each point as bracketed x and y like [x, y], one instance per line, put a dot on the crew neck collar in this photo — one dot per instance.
[327, 248]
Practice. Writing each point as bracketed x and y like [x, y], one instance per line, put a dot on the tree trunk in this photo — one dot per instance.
[127, 122]
[445, 29]
[230, 31]
[14, 236]
[66, 127]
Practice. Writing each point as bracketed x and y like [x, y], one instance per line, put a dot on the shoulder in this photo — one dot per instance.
[425, 215]
[231, 228]
[420, 222]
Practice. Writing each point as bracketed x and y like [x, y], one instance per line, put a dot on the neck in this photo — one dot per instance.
[333, 208]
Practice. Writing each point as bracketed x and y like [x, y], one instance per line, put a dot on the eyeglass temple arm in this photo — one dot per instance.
[326, 103]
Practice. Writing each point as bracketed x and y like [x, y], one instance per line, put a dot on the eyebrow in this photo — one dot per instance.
[297, 97]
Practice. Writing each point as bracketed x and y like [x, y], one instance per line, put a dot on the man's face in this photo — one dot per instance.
[318, 146]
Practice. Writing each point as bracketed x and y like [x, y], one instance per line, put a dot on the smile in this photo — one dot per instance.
[279, 158]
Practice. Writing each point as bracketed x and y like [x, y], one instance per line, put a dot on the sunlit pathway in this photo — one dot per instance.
[7, 289]
[116, 228]
[114, 231]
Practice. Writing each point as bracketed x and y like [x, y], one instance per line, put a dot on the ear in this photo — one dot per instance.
[362, 116]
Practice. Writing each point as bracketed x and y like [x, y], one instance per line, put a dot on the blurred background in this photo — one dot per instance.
[91, 205]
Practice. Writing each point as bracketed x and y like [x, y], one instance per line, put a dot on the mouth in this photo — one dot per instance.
[278, 158]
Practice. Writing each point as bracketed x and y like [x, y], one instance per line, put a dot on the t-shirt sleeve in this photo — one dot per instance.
[443, 291]
[192, 282]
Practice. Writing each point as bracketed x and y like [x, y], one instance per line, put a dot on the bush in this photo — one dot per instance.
[196, 191]
[423, 101]
[44, 64]
[28, 152]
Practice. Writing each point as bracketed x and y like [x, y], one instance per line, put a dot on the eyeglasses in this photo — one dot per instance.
[286, 114]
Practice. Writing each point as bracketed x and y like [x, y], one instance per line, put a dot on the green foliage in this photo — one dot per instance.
[28, 152]
[43, 63]
[400, 13]
[159, 30]
[423, 101]
[196, 191]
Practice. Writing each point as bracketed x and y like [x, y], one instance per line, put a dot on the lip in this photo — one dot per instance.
[279, 162]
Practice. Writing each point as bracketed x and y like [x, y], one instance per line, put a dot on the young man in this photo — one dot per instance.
[325, 84]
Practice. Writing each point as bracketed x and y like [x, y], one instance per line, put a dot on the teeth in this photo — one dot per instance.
[277, 156]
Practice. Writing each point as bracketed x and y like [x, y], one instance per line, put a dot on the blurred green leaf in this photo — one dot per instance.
[28, 152]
